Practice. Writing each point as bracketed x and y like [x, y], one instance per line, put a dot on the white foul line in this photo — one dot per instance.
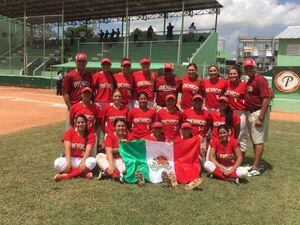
[54, 104]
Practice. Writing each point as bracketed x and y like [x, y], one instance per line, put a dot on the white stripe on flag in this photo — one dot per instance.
[160, 157]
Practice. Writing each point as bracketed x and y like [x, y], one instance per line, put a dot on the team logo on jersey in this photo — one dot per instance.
[287, 81]
[160, 162]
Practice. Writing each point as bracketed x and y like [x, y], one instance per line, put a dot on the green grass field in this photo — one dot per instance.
[30, 196]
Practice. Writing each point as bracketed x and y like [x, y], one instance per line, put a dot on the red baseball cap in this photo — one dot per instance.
[157, 124]
[86, 89]
[104, 60]
[248, 62]
[186, 125]
[145, 60]
[126, 62]
[170, 96]
[224, 99]
[81, 57]
[168, 65]
[197, 96]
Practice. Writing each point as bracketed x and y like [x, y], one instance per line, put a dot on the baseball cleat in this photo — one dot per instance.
[119, 178]
[173, 180]
[166, 182]
[253, 172]
[140, 178]
[194, 184]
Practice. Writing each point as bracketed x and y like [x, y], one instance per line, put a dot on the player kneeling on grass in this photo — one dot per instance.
[78, 146]
[111, 163]
[225, 157]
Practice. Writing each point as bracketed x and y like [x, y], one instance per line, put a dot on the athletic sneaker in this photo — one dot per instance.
[119, 178]
[60, 177]
[140, 178]
[166, 182]
[194, 184]
[234, 180]
[253, 172]
[173, 180]
[101, 175]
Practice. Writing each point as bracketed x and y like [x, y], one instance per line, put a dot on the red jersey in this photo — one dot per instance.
[110, 113]
[213, 91]
[163, 88]
[144, 82]
[77, 142]
[257, 89]
[218, 120]
[125, 85]
[199, 122]
[91, 112]
[171, 122]
[73, 83]
[225, 155]
[112, 141]
[188, 90]
[104, 85]
[236, 95]
[141, 122]
[161, 139]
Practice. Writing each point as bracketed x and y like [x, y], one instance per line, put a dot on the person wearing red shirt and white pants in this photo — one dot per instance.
[144, 81]
[91, 111]
[236, 91]
[191, 85]
[104, 83]
[74, 81]
[78, 143]
[225, 157]
[214, 87]
[166, 84]
[124, 82]
[170, 117]
[257, 99]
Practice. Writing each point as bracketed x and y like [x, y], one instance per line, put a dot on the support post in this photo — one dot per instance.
[25, 42]
[181, 35]
[62, 28]
[216, 20]
[9, 44]
[44, 42]
[165, 18]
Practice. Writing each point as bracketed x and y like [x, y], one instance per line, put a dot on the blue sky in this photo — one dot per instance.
[237, 18]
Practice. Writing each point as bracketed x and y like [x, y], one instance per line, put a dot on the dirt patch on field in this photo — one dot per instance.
[22, 108]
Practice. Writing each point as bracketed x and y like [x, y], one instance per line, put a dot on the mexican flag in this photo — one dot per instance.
[152, 158]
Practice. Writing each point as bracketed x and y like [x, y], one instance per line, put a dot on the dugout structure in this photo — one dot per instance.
[39, 26]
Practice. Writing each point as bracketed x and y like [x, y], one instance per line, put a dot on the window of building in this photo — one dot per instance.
[293, 50]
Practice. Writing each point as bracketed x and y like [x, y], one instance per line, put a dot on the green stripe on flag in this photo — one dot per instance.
[134, 156]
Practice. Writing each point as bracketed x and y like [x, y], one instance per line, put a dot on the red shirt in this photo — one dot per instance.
[125, 85]
[161, 139]
[144, 82]
[171, 122]
[110, 113]
[73, 83]
[199, 121]
[225, 155]
[163, 88]
[188, 90]
[141, 122]
[112, 141]
[78, 142]
[218, 120]
[104, 85]
[213, 91]
[236, 95]
[257, 89]
[91, 112]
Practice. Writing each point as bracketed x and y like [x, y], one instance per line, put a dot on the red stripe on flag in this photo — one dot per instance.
[186, 159]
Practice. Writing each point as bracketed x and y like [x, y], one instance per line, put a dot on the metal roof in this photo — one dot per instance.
[99, 9]
[291, 32]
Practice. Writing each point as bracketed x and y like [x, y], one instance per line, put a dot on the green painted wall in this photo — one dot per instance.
[287, 60]
[208, 51]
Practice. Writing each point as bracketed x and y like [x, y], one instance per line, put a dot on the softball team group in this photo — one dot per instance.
[127, 106]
